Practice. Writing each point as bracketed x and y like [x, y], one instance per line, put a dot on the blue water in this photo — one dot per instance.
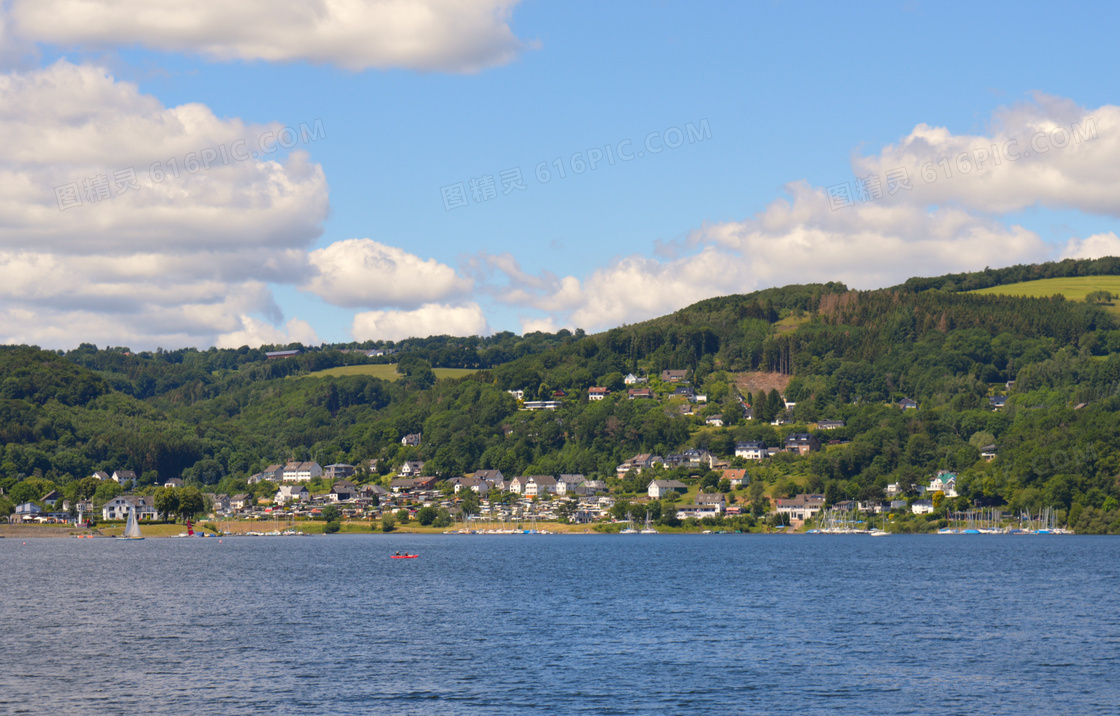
[526, 624]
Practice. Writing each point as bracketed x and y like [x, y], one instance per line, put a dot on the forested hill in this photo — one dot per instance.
[216, 416]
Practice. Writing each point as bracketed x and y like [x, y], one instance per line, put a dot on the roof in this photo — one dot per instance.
[707, 498]
[670, 484]
[749, 445]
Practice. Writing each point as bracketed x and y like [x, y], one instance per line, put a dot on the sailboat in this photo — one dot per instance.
[647, 530]
[629, 528]
[132, 527]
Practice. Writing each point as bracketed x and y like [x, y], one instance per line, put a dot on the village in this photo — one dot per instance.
[692, 490]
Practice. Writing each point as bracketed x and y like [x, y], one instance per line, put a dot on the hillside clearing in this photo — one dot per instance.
[1073, 289]
[755, 381]
[384, 371]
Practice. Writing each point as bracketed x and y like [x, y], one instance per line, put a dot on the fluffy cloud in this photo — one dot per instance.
[439, 35]
[161, 260]
[1092, 247]
[799, 240]
[256, 332]
[361, 272]
[1049, 151]
[428, 320]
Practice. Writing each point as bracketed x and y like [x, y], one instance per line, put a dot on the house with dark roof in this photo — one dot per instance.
[908, 404]
[802, 443]
[801, 507]
[339, 471]
[411, 468]
[660, 488]
[566, 484]
[711, 498]
[673, 376]
[124, 476]
[750, 449]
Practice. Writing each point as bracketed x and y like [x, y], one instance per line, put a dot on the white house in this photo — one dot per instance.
[570, 484]
[173, 482]
[27, 511]
[475, 484]
[597, 393]
[661, 488]
[119, 507]
[291, 493]
[642, 461]
[711, 498]
[632, 379]
[125, 476]
[517, 394]
[737, 478]
[802, 507]
[921, 507]
[715, 421]
[412, 468]
[697, 511]
[540, 484]
[945, 482]
[750, 450]
[302, 471]
[241, 501]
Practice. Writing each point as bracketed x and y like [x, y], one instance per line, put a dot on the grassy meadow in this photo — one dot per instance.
[384, 371]
[1074, 289]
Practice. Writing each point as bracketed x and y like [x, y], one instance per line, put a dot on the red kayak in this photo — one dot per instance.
[404, 556]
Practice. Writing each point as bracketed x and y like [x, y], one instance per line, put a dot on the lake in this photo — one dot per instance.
[553, 624]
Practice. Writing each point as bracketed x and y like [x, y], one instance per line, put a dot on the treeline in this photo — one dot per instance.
[975, 280]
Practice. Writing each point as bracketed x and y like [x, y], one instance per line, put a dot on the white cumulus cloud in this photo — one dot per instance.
[366, 273]
[426, 35]
[800, 240]
[1049, 152]
[429, 320]
[256, 332]
[1092, 247]
[97, 245]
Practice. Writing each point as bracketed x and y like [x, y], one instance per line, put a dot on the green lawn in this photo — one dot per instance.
[384, 371]
[1074, 289]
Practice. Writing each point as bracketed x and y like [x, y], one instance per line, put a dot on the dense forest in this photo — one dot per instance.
[215, 416]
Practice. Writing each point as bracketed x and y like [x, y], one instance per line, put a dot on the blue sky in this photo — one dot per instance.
[782, 97]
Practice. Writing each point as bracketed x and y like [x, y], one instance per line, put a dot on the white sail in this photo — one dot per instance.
[132, 528]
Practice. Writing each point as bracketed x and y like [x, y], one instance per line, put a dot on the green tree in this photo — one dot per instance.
[87, 487]
[426, 515]
[388, 524]
[191, 502]
[167, 502]
[469, 505]
[106, 491]
[331, 513]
